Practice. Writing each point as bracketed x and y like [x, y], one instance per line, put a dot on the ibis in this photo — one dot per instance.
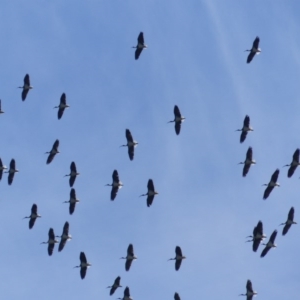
[33, 216]
[83, 265]
[51, 241]
[115, 285]
[294, 164]
[62, 106]
[126, 294]
[73, 200]
[140, 46]
[73, 173]
[129, 258]
[290, 221]
[178, 119]
[176, 296]
[270, 186]
[2, 168]
[178, 258]
[246, 128]
[249, 291]
[115, 186]
[53, 152]
[26, 87]
[1, 111]
[11, 172]
[270, 244]
[131, 143]
[151, 192]
[254, 50]
[257, 236]
[64, 237]
[248, 161]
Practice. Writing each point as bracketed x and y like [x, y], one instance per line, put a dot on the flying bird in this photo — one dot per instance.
[11, 172]
[249, 291]
[126, 294]
[115, 186]
[294, 164]
[248, 161]
[73, 200]
[140, 46]
[33, 216]
[270, 186]
[178, 258]
[2, 168]
[178, 119]
[289, 222]
[51, 241]
[257, 236]
[115, 285]
[129, 258]
[151, 192]
[254, 50]
[64, 237]
[245, 129]
[131, 143]
[1, 111]
[53, 152]
[83, 265]
[26, 87]
[270, 244]
[176, 296]
[73, 173]
[62, 105]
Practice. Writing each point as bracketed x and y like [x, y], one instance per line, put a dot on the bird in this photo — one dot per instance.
[178, 119]
[254, 50]
[26, 87]
[2, 168]
[130, 144]
[151, 192]
[270, 244]
[294, 164]
[289, 222]
[257, 236]
[129, 258]
[178, 258]
[1, 111]
[83, 265]
[64, 237]
[53, 152]
[126, 294]
[115, 186]
[73, 200]
[140, 46]
[249, 290]
[11, 172]
[73, 173]
[245, 129]
[248, 161]
[270, 186]
[115, 285]
[33, 216]
[62, 105]
[176, 296]
[51, 241]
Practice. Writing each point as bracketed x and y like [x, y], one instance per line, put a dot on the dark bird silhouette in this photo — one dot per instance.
[83, 265]
[53, 152]
[176, 296]
[257, 236]
[33, 216]
[51, 241]
[2, 168]
[289, 222]
[11, 172]
[73, 200]
[151, 192]
[294, 164]
[26, 87]
[73, 174]
[248, 161]
[270, 244]
[115, 285]
[245, 129]
[126, 294]
[270, 186]
[178, 258]
[64, 237]
[129, 258]
[254, 50]
[130, 144]
[249, 291]
[178, 119]
[62, 106]
[140, 46]
[115, 186]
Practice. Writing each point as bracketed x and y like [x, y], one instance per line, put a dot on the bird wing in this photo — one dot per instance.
[126, 292]
[286, 229]
[176, 296]
[51, 234]
[140, 38]
[55, 145]
[66, 228]
[112, 290]
[72, 208]
[60, 112]
[273, 236]
[247, 121]
[291, 170]
[246, 169]
[177, 127]
[73, 167]
[62, 244]
[243, 136]
[63, 99]
[267, 192]
[249, 286]
[249, 154]
[31, 222]
[177, 264]
[150, 185]
[250, 57]
[115, 176]
[83, 272]
[275, 176]
[50, 249]
[50, 158]
[249, 297]
[255, 244]
[82, 258]
[117, 281]
[24, 94]
[131, 152]
[27, 80]
[72, 180]
[10, 178]
[150, 200]
[177, 112]
[12, 164]
[130, 250]
[137, 53]
[34, 209]
[73, 194]
[291, 214]
[256, 43]
[259, 227]
[178, 251]
[129, 136]
[113, 193]
[265, 251]
[128, 264]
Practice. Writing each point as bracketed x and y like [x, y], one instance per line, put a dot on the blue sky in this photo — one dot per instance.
[195, 59]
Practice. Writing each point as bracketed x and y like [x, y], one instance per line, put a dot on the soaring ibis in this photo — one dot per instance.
[294, 164]
[254, 50]
[129, 258]
[249, 291]
[64, 237]
[115, 186]
[140, 46]
[83, 265]
[176, 296]
[2, 168]
[115, 285]
[178, 258]
[26, 87]
[62, 106]
[131, 143]
[289, 222]
[11, 172]
[245, 129]
[257, 236]
[73, 200]
[178, 119]
[270, 186]
[51, 241]
[1, 111]
[33, 216]
[270, 244]
[126, 294]
[248, 161]
[73, 173]
[151, 192]
[53, 152]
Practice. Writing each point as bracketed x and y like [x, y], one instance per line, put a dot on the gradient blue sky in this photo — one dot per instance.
[195, 59]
